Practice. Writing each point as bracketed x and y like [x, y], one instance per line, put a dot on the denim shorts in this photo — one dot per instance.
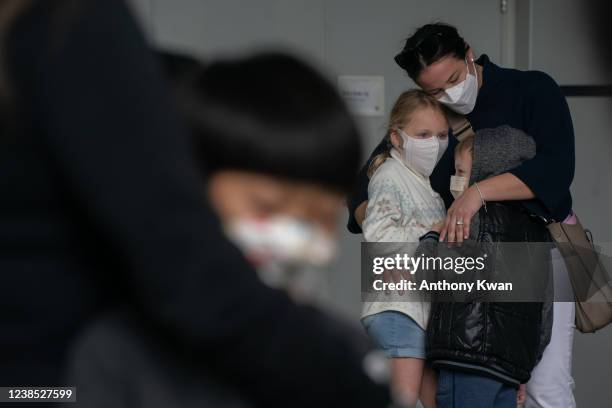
[396, 334]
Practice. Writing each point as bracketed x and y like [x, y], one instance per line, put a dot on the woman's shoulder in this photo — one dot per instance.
[532, 80]
[530, 76]
[535, 81]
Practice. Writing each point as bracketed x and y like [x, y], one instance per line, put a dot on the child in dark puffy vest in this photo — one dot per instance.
[485, 350]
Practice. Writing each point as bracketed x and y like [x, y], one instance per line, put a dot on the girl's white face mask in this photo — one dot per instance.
[462, 97]
[422, 155]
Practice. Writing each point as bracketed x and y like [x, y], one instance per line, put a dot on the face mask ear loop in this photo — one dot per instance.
[400, 132]
[404, 137]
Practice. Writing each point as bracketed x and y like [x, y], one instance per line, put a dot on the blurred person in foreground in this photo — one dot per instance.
[102, 207]
[276, 173]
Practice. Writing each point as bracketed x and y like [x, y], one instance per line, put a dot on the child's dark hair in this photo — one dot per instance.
[429, 44]
[270, 113]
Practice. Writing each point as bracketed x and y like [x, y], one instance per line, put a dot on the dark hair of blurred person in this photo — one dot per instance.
[102, 207]
[272, 114]
[277, 168]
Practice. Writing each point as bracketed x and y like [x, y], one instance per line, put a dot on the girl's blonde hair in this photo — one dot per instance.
[405, 106]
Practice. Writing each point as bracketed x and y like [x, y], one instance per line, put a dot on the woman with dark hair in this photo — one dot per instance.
[444, 65]
[102, 207]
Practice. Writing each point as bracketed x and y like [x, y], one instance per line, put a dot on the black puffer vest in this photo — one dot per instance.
[502, 339]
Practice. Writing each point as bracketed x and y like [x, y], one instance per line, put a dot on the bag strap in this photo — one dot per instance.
[460, 125]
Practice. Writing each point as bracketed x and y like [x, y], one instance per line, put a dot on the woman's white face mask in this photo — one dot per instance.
[422, 155]
[462, 97]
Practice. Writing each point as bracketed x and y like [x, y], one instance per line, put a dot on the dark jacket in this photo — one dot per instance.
[499, 339]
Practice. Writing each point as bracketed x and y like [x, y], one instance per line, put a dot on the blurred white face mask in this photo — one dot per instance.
[462, 97]
[278, 246]
[422, 155]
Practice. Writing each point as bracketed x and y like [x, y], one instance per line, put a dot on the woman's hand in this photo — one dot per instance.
[457, 223]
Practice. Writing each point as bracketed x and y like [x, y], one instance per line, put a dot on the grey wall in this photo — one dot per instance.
[360, 37]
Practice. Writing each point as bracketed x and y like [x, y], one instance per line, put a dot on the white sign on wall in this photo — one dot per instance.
[364, 95]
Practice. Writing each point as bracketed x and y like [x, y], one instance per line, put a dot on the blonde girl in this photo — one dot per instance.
[402, 208]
